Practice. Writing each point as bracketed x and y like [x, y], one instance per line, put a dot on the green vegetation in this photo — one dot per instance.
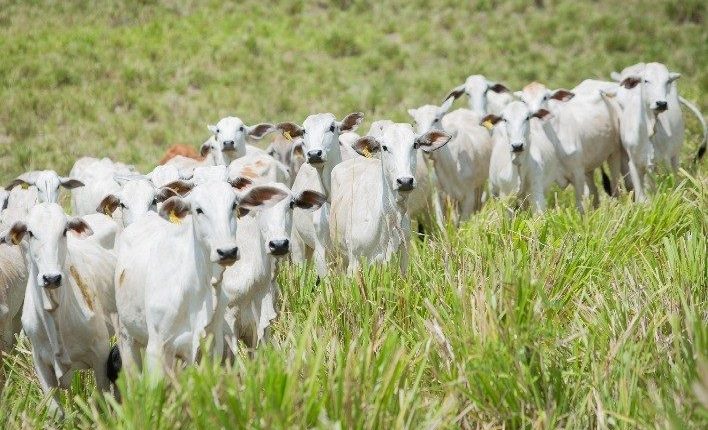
[531, 322]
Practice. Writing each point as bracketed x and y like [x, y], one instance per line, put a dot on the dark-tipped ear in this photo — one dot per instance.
[432, 140]
[298, 151]
[79, 226]
[631, 82]
[240, 182]
[15, 235]
[15, 183]
[456, 93]
[108, 205]
[562, 95]
[165, 193]
[174, 209]
[499, 88]
[290, 130]
[366, 145]
[71, 183]
[351, 121]
[205, 148]
[542, 114]
[309, 200]
[490, 120]
[261, 197]
[261, 130]
[673, 76]
[180, 186]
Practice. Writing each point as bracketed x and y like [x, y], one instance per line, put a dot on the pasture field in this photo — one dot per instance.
[551, 321]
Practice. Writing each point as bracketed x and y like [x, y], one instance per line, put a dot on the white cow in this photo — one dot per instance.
[168, 290]
[369, 216]
[13, 281]
[584, 130]
[163, 175]
[97, 176]
[63, 315]
[485, 96]
[660, 96]
[320, 142]
[250, 284]
[47, 183]
[462, 166]
[261, 167]
[524, 160]
[228, 142]
[289, 152]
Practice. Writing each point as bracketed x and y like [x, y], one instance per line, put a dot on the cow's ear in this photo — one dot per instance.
[240, 183]
[108, 205]
[259, 131]
[298, 151]
[616, 76]
[261, 197]
[562, 95]
[15, 183]
[205, 149]
[79, 226]
[180, 186]
[542, 114]
[212, 128]
[455, 94]
[432, 140]
[290, 130]
[366, 145]
[631, 82]
[490, 120]
[15, 235]
[445, 107]
[498, 88]
[351, 121]
[165, 193]
[673, 76]
[309, 200]
[174, 209]
[71, 183]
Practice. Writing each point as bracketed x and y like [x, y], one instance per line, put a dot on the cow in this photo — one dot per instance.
[261, 167]
[168, 286]
[97, 176]
[485, 96]
[320, 143]
[13, 280]
[62, 314]
[461, 166]
[288, 151]
[47, 183]
[369, 216]
[524, 160]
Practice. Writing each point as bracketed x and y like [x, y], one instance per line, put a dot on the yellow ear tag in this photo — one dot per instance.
[106, 211]
[174, 219]
[286, 134]
[366, 152]
[25, 185]
[488, 124]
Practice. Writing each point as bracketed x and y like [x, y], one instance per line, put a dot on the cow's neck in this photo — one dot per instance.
[325, 172]
[393, 204]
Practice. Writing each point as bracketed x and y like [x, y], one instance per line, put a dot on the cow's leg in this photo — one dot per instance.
[637, 175]
[48, 381]
[467, 207]
[626, 174]
[155, 355]
[298, 253]
[614, 162]
[579, 185]
[320, 257]
[100, 370]
[675, 164]
[129, 351]
[538, 198]
[592, 186]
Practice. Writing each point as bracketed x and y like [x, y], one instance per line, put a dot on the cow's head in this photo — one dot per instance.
[476, 87]
[398, 144]
[136, 197]
[47, 183]
[537, 96]
[43, 238]
[429, 117]
[288, 151]
[163, 175]
[320, 135]
[228, 141]
[515, 131]
[214, 207]
[655, 81]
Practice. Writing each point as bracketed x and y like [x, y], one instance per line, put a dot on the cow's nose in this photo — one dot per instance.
[517, 147]
[279, 247]
[229, 144]
[227, 255]
[661, 106]
[405, 183]
[51, 281]
[314, 156]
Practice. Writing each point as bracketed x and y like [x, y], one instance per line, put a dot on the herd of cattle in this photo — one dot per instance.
[156, 260]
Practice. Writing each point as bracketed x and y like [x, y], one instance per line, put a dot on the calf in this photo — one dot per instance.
[524, 159]
[320, 142]
[62, 314]
[369, 217]
[462, 166]
[168, 268]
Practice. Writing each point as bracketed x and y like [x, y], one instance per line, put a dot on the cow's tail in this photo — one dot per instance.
[606, 184]
[699, 115]
[113, 364]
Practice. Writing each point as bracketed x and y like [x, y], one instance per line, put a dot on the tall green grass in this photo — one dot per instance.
[528, 321]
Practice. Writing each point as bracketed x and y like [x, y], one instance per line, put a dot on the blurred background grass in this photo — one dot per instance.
[127, 79]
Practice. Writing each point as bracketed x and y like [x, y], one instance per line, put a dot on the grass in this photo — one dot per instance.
[524, 322]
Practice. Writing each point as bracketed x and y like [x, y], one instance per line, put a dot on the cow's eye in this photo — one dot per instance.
[234, 207]
[154, 201]
[218, 131]
[65, 230]
[331, 128]
[292, 204]
[271, 153]
[30, 233]
[122, 205]
[385, 148]
[199, 211]
[240, 128]
[436, 120]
